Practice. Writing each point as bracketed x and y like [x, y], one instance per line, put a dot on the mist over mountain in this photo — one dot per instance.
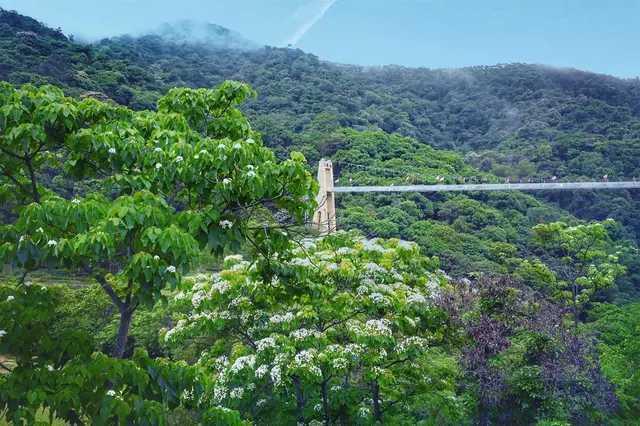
[204, 33]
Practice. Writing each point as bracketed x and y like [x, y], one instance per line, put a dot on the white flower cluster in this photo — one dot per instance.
[226, 224]
[342, 251]
[276, 375]
[340, 363]
[279, 319]
[378, 327]
[197, 298]
[266, 343]
[304, 359]
[262, 371]
[412, 342]
[362, 290]
[179, 326]
[236, 393]
[372, 246]
[416, 299]
[219, 285]
[233, 259]
[303, 333]
[300, 261]
[378, 298]
[407, 245]
[374, 268]
[243, 362]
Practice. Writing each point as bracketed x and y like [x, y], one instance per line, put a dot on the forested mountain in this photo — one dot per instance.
[448, 308]
[514, 120]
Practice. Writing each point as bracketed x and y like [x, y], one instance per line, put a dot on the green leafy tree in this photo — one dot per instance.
[348, 331]
[583, 258]
[154, 194]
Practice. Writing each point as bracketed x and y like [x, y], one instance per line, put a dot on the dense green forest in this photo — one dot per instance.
[512, 120]
[157, 270]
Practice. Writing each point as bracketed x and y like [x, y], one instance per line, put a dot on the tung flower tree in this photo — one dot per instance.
[347, 331]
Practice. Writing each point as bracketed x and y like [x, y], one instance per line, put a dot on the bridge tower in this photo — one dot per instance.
[324, 219]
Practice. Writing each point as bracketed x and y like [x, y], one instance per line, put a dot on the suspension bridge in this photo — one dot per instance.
[324, 218]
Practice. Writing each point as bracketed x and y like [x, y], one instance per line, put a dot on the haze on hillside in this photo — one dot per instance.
[585, 34]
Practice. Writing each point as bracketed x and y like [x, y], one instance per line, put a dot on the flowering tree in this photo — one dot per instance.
[191, 176]
[346, 331]
[131, 199]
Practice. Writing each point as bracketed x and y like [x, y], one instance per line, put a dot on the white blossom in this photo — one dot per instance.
[3, 333]
[75, 201]
[276, 375]
[111, 392]
[278, 319]
[267, 342]
[219, 393]
[303, 333]
[156, 257]
[261, 402]
[197, 298]
[10, 298]
[339, 363]
[171, 269]
[377, 298]
[251, 174]
[300, 261]
[226, 181]
[317, 407]
[416, 298]
[50, 367]
[222, 146]
[364, 412]
[237, 146]
[179, 159]
[374, 267]
[158, 166]
[158, 149]
[243, 362]
[52, 243]
[226, 224]
[237, 393]
[112, 151]
[250, 141]
[262, 371]
[379, 327]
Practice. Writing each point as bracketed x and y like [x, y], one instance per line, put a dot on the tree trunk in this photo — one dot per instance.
[299, 400]
[375, 395]
[325, 403]
[126, 314]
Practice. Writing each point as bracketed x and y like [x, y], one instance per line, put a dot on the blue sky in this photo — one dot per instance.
[596, 35]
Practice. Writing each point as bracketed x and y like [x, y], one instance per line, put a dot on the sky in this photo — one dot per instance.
[595, 35]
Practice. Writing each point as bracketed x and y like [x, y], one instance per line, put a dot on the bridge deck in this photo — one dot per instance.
[559, 186]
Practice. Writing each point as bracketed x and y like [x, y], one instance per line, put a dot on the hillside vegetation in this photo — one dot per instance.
[157, 270]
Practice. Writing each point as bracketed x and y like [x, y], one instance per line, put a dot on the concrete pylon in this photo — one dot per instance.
[324, 219]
